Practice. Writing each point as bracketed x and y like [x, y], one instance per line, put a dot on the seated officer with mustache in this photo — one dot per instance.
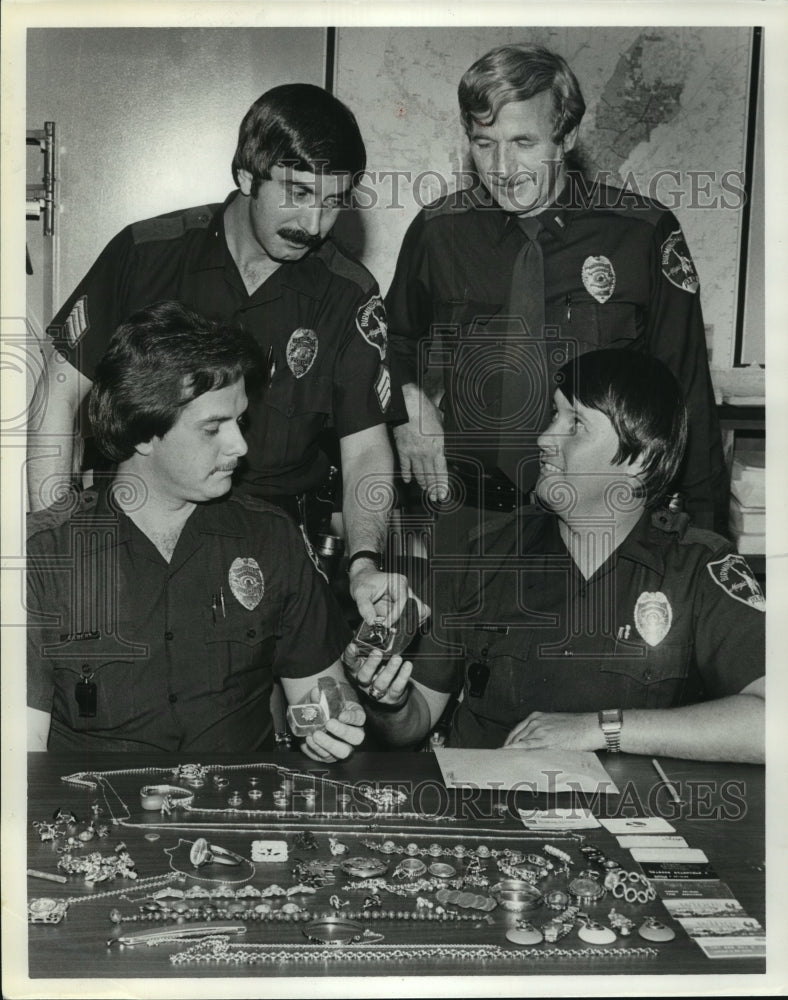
[605, 620]
[161, 606]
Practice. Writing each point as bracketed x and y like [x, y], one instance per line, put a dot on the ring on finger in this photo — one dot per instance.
[376, 694]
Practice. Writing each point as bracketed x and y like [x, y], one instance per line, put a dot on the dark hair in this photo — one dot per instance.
[160, 359]
[302, 126]
[645, 405]
[518, 73]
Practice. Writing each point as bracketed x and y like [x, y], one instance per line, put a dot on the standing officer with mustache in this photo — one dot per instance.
[262, 261]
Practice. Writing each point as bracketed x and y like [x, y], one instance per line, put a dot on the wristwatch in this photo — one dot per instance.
[610, 722]
[375, 557]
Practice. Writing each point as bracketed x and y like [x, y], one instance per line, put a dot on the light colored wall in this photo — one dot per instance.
[147, 122]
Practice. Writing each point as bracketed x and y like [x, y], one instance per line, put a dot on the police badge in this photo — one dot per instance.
[301, 351]
[653, 617]
[599, 278]
[246, 582]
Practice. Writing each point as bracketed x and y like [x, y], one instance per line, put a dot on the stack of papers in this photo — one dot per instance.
[748, 502]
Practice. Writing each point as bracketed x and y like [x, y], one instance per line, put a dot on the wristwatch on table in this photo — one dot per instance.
[610, 722]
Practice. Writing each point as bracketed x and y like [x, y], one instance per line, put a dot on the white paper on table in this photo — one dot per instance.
[525, 770]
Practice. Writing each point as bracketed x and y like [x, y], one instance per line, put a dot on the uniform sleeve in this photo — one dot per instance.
[675, 335]
[365, 392]
[409, 304]
[83, 326]
[730, 626]
[314, 632]
[438, 660]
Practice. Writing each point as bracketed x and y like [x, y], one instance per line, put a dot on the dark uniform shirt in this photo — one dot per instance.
[319, 320]
[671, 618]
[183, 654]
[617, 273]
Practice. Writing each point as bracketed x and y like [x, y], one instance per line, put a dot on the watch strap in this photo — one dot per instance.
[376, 557]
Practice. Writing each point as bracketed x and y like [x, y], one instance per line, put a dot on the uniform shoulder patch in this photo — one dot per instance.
[373, 325]
[736, 578]
[677, 264]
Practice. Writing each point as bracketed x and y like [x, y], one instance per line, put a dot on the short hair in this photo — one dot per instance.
[160, 359]
[302, 126]
[518, 73]
[645, 405]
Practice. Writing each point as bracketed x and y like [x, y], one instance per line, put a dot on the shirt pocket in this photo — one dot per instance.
[239, 645]
[594, 324]
[295, 411]
[506, 692]
[654, 680]
[124, 678]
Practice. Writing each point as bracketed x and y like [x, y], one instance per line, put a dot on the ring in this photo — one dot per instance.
[376, 694]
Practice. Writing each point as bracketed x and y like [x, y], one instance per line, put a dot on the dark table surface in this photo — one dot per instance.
[722, 814]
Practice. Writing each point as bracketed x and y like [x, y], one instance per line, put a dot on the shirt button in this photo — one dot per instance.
[485, 650]
[251, 633]
[173, 698]
[168, 636]
[646, 674]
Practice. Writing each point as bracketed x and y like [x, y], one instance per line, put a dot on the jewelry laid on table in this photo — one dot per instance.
[560, 925]
[654, 930]
[516, 895]
[586, 891]
[45, 910]
[632, 887]
[364, 868]
[97, 867]
[224, 952]
[592, 932]
[524, 934]
[620, 923]
[338, 931]
[191, 858]
[165, 936]
[466, 900]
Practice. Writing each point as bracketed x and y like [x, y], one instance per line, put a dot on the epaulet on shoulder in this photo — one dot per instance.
[256, 505]
[457, 202]
[342, 263]
[624, 201]
[679, 524]
[49, 518]
[172, 225]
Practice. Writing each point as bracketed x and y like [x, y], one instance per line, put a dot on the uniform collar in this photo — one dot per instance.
[303, 276]
[554, 219]
[641, 545]
[216, 517]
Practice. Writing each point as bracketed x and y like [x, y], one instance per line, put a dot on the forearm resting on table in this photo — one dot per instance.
[52, 455]
[728, 729]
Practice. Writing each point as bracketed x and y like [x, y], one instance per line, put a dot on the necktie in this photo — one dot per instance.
[524, 382]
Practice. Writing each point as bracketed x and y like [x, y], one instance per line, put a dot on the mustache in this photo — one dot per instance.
[299, 237]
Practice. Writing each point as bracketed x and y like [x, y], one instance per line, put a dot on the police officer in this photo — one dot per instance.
[264, 261]
[161, 607]
[615, 270]
[603, 621]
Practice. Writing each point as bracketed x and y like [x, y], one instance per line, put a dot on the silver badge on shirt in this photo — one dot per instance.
[301, 351]
[599, 278]
[653, 616]
[246, 582]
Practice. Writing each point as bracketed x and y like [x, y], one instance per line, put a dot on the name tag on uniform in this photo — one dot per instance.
[488, 627]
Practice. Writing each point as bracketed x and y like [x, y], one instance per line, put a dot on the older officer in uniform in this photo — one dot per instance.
[603, 621]
[263, 260]
[535, 252]
[161, 607]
